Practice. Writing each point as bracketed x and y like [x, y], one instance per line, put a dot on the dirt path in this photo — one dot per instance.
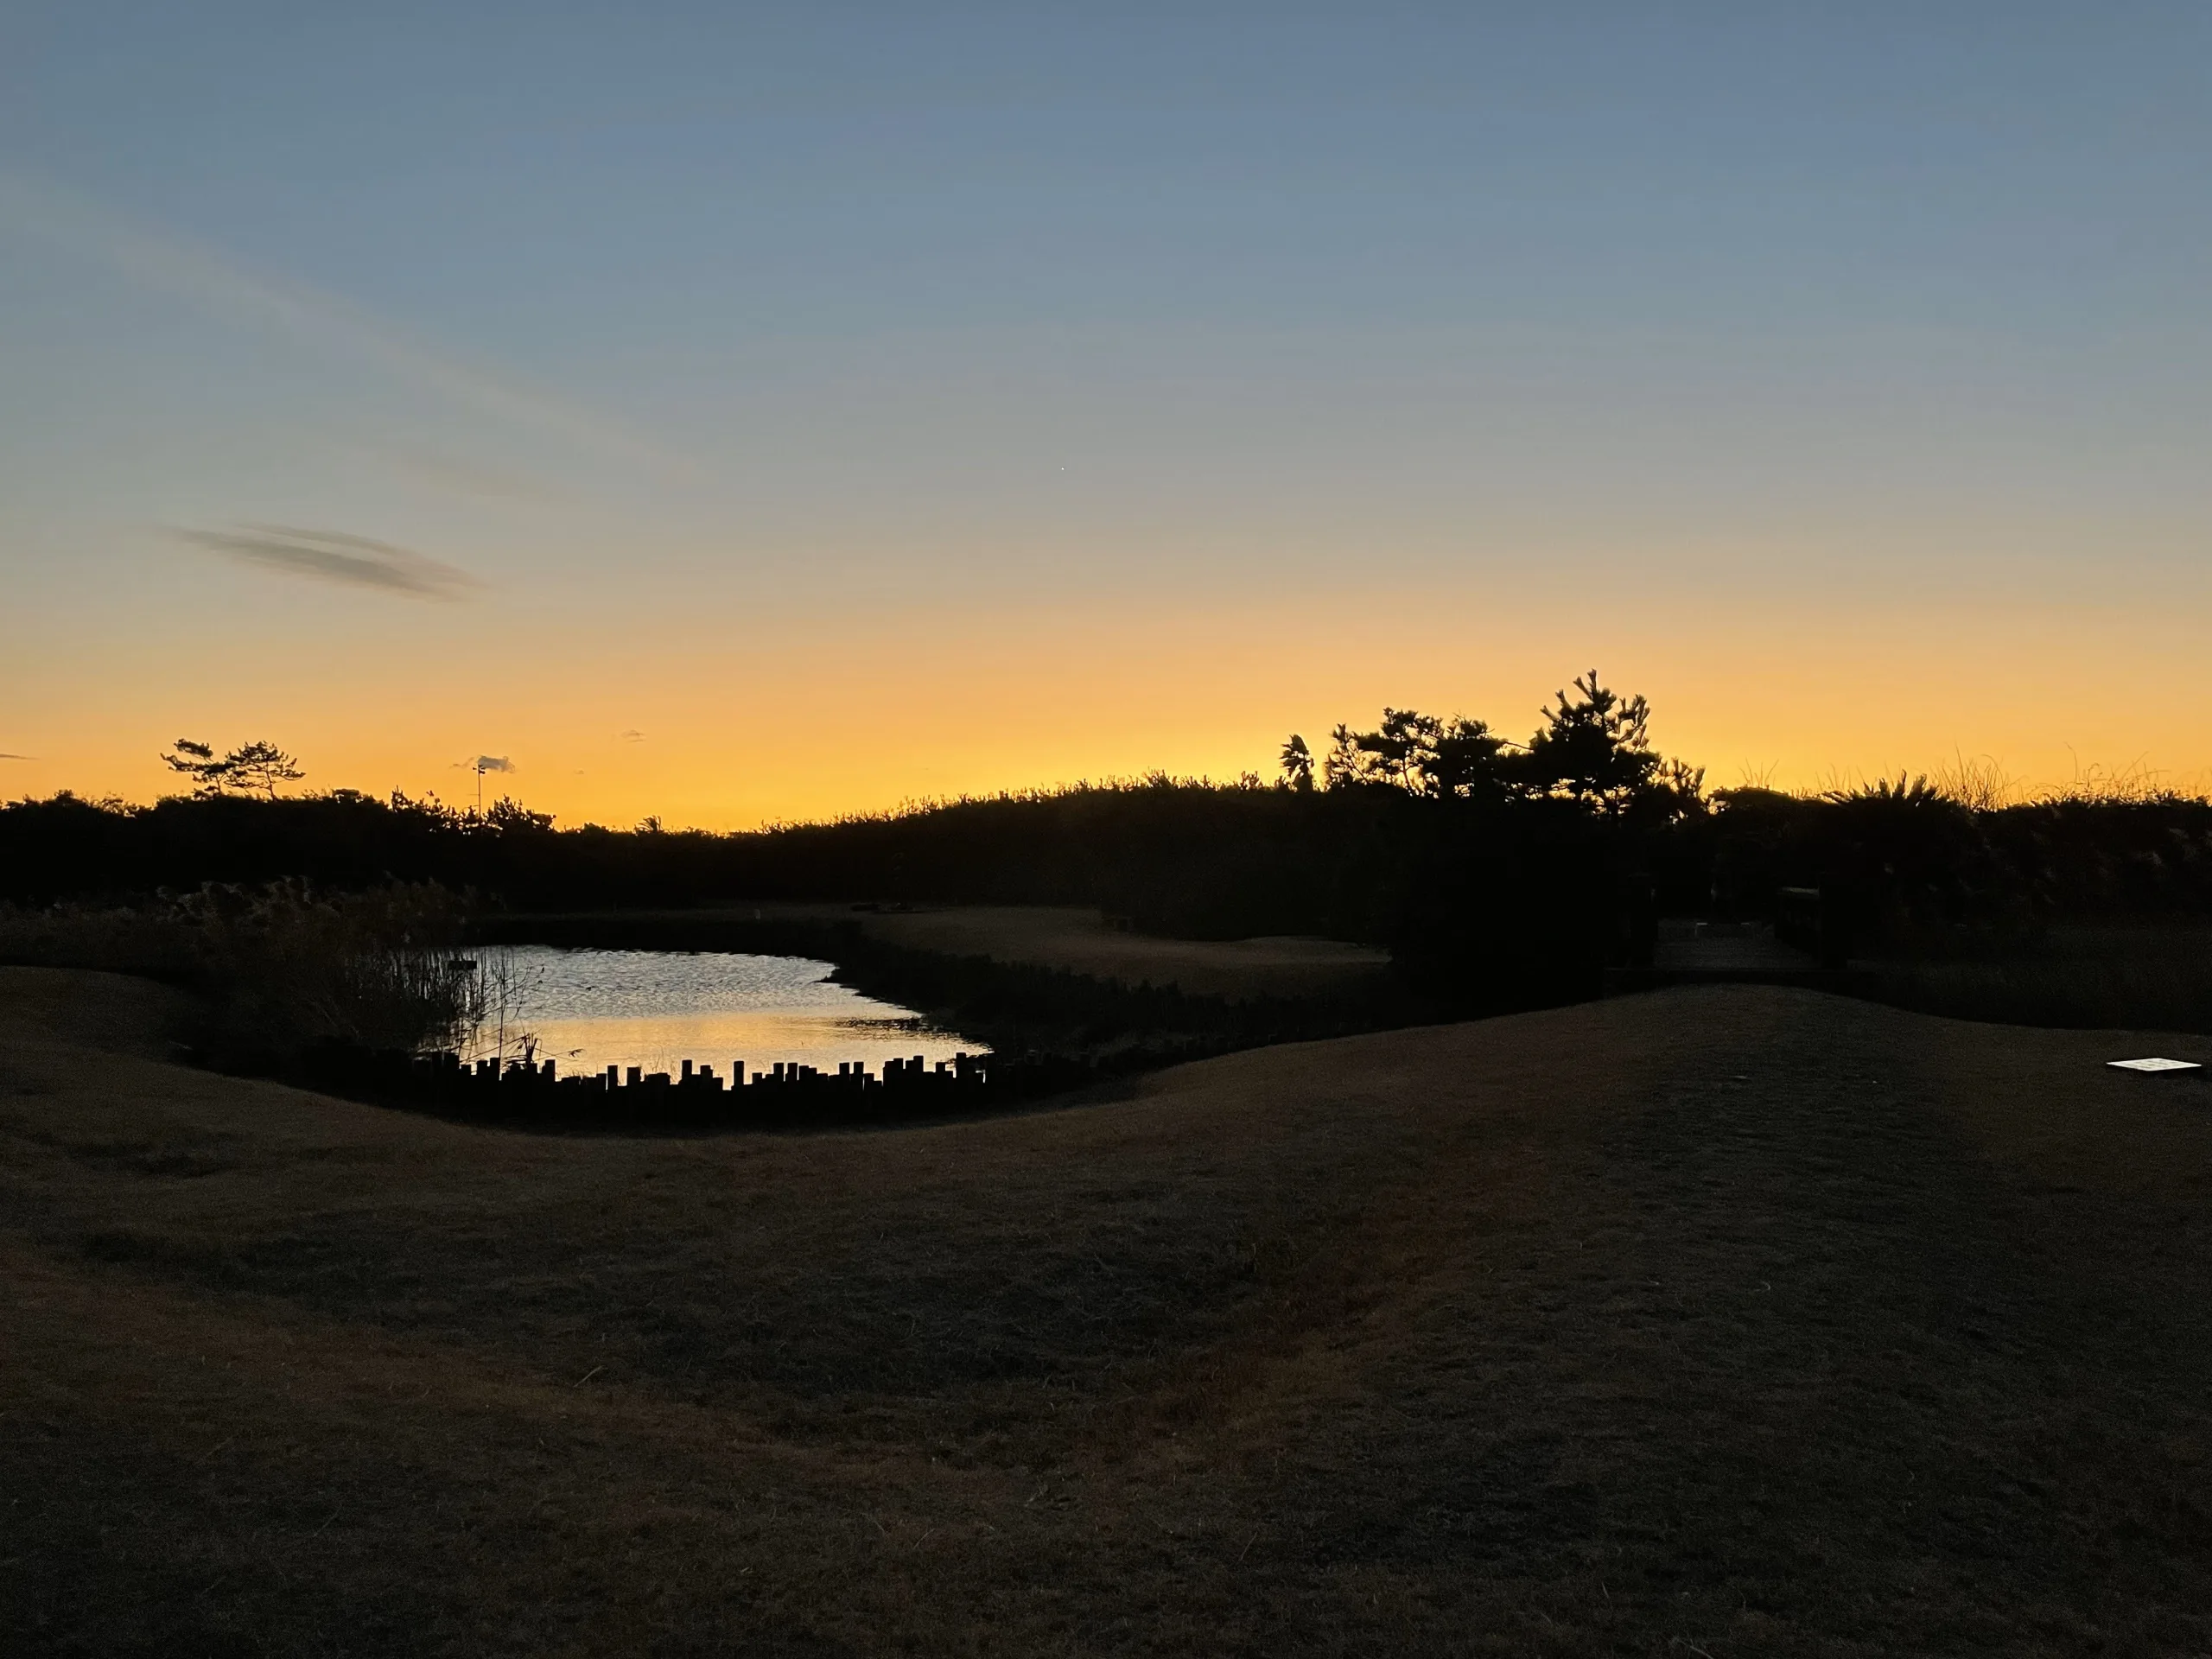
[1727, 1321]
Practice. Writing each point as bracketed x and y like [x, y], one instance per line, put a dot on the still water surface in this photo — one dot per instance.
[655, 1009]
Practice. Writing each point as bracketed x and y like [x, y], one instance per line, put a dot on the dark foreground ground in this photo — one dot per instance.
[1725, 1322]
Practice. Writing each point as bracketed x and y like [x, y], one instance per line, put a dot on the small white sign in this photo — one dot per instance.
[2156, 1065]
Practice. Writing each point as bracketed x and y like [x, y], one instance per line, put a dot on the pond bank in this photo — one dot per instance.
[1016, 1006]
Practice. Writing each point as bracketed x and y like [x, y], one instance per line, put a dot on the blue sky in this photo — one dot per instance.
[1420, 349]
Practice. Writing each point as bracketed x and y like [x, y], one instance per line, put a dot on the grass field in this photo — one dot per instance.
[1080, 942]
[2070, 976]
[1723, 1321]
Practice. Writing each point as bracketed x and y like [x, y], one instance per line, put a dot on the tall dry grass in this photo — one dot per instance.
[279, 968]
[1981, 783]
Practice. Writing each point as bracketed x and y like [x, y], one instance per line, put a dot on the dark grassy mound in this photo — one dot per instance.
[1726, 1321]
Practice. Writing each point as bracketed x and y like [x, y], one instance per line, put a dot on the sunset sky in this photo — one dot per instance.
[744, 413]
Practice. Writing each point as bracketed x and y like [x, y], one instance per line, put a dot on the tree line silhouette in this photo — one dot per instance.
[1502, 872]
[256, 768]
[1593, 749]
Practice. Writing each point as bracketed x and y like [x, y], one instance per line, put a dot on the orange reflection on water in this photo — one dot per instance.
[761, 1040]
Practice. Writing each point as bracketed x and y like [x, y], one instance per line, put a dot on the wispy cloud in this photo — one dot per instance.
[18, 757]
[34, 206]
[488, 763]
[633, 735]
[330, 556]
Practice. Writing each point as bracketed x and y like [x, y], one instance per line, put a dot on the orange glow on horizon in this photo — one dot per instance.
[821, 722]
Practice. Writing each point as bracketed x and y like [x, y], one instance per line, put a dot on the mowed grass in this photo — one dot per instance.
[1081, 942]
[1728, 1321]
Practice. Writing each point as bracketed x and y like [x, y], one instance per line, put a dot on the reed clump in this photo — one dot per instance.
[279, 968]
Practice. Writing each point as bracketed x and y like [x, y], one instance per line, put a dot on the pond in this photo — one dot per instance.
[587, 1010]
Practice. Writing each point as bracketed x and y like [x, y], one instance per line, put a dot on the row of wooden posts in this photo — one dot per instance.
[962, 1068]
[534, 1095]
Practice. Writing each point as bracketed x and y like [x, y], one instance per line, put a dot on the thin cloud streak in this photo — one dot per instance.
[39, 207]
[331, 556]
[18, 757]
